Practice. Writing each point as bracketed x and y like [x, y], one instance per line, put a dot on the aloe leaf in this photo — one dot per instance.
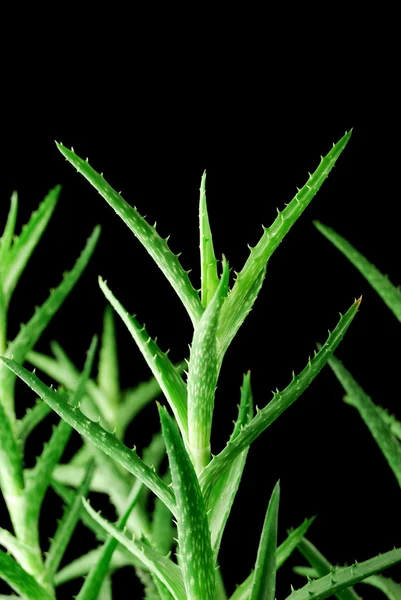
[106, 591]
[380, 430]
[67, 525]
[100, 438]
[388, 292]
[163, 530]
[23, 246]
[63, 370]
[3, 320]
[38, 479]
[390, 588]
[30, 420]
[164, 371]
[243, 294]
[279, 403]
[161, 566]
[22, 553]
[20, 581]
[209, 276]
[344, 577]
[81, 566]
[11, 473]
[224, 491]
[108, 376]
[30, 333]
[283, 552]
[8, 233]
[99, 570]
[147, 235]
[264, 578]
[202, 376]
[292, 541]
[323, 567]
[192, 522]
[390, 420]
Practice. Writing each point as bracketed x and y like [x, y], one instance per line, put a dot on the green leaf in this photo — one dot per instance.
[280, 402]
[192, 521]
[249, 280]
[67, 525]
[31, 332]
[30, 420]
[323, 567]
[82, 565]
[202, 376]
[380, 430]
[147, 235]
[8, 233]
[343, 577]
[386, 585]
[22, 248]
[39, 478]
[388, 292]
[224, 491]
[100, 569]
[11, 474]
[63, 370]
[100, 438]
[287, 547]
[20, 581]
[108, 377]
[284, 551]
[390, 420]
[161, 566]
[164, 371]
[264, 578]
[209, 276]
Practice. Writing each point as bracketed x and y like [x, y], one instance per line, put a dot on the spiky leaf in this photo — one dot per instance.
[388, 292]
[147, 235]
[67, 525]
[100, 438]
[380, 430]
[93, 583]
[161, 566]
[264, 578]
[249, 280]
[344, 577]
[192, 523]
[280, 402]
[163, 369]
[22, 248]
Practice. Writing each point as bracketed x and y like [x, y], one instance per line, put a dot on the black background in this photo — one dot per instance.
[152, 137]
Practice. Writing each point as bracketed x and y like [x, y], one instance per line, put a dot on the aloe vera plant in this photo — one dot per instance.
[192, 500]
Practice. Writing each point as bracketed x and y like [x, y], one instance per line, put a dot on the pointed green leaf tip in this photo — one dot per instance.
[209, 276]
[157, 247]
[249, 281]
[264, 579]
[192, 522]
